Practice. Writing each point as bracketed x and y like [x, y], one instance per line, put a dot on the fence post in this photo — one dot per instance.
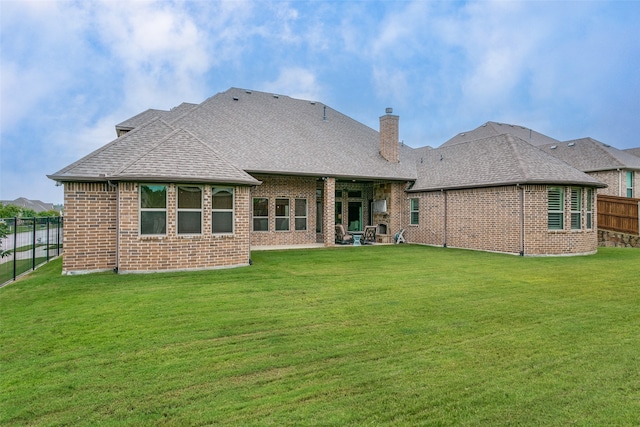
[33, 245]
[15, 245]
[58, 242]
[47, 239]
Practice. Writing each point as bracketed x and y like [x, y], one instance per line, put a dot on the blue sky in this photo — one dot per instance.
[71, 70]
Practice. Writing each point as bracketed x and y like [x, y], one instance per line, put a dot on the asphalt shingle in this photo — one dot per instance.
[590, 155]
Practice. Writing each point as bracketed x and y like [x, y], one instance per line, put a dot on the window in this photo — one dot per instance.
[189, 210]
[356, 194]
[589, 208]
[282, 214]
[221, 210]
[576, 208]
[629, 183]
[301, 214]
[556, 208]
[260, 214]
[153, 209]
[414, 208]
[338, 212]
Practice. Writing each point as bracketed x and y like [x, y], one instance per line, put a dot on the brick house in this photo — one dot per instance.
[199, 186]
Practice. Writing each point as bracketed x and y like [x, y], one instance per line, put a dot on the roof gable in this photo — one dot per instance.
[494, 161]
[490, 129]
[181, 157]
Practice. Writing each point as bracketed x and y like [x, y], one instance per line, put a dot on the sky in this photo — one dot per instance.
[71, 70]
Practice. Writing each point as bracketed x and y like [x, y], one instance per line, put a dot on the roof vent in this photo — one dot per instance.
[312, 102]
[247, 92]
[324, 114]
[571, 144]
[553, 147]
[388, 110]
[462, 134]
[276, 96]
[235, 98]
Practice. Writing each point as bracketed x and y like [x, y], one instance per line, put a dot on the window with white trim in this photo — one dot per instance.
[222, 210]
[576, 208]
[153, 209]
[589, 212]
[301, 214]
[282, 214]
[555, 208]
[629, 183]
[260, 214]
[415, 211]
[189, 210]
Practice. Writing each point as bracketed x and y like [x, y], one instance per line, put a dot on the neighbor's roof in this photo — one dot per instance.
[634, 151]
[494, 129]
[494, 161]
[590, 155]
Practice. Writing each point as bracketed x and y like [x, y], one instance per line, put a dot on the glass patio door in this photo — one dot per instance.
[354, 216]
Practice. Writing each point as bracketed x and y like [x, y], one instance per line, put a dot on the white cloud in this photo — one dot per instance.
[295, 82]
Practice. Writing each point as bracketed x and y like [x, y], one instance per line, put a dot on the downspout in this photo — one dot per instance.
[112, 185]
[521, 219]
[444, 244]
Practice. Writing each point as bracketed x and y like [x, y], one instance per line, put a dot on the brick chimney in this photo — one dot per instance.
[389, 136]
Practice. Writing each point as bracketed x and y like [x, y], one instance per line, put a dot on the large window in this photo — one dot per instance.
[221, 210]
[260, 214]
[153, 209]
[301, 214]
[189, 210]
[415, 214]
[556, 208]
[576, 208]
[629, 183]
[282, 214]
[589, 208]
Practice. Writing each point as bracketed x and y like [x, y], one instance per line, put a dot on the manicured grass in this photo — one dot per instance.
[385, 335]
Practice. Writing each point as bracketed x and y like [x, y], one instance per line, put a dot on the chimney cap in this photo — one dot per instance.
[388, 110]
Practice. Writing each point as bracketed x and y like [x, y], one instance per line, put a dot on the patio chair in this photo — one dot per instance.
[343, 237]
[369, 235]
[400, 236]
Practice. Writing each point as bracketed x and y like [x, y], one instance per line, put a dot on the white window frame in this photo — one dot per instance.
[555, 212]
[261, 217]
[589, 208]
[284, 218]
[414, 209]
[180, 210]
[214, 191]
[297, 217]
[576, 208]
[142, 210]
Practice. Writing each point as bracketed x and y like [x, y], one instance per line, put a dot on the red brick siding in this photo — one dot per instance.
[177, 252]
[89, 231]
[490, 219]
[285, 187]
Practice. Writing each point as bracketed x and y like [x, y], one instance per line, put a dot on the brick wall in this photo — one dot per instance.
[285, 187]
[89, 231]
[612, 179]
[389, 140]
[181, 252]
[491, 219]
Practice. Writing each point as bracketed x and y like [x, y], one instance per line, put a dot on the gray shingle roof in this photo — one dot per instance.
[494, 129]
[590, 155]
[263, 132]
[151, 113]
[494, 161]
[634, 151]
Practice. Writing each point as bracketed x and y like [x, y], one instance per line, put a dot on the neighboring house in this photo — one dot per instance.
[619, 169]
[35, 205]
[199, 186]
[634, 151]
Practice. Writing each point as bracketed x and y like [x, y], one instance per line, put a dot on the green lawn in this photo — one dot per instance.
[383, 335]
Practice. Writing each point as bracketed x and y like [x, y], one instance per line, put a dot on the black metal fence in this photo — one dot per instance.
[27, 243]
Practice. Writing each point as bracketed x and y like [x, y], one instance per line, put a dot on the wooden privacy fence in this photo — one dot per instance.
[619, 214]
